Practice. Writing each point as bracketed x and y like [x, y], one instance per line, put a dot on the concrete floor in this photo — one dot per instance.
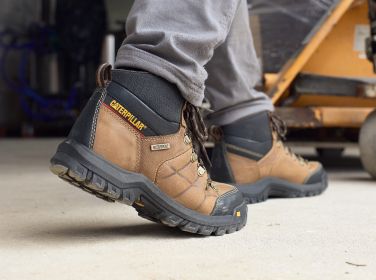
[50, 230]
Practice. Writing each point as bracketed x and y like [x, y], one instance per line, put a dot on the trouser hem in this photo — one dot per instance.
[192, 91]
[234, 113]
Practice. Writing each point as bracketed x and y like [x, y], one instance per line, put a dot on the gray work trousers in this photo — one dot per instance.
[205, 47]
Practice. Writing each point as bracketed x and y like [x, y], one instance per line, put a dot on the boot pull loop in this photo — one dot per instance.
[103, 75]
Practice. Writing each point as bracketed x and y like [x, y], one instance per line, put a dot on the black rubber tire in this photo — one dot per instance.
[81, 167]
[330, 152]
[367, 144]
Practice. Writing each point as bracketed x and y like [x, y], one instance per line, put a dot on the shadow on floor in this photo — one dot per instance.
[79, 233]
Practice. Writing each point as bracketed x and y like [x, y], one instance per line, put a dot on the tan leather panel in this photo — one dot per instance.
[278, 162]
[151, 160]
[244, 170]
[223, 188]
[313, 165]
[194, 198]
[207, 206]
[179, 179]
[175, 176]
[284, 165]
[212, 196]
[171, 169]
[124, 140]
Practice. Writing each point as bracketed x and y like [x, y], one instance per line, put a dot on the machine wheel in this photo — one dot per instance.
[367, 144]
[330, 152]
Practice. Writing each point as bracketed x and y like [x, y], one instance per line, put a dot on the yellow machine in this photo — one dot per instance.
[329, 85]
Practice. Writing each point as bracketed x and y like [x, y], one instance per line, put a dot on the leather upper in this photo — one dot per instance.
[173, 170]
[278, 162]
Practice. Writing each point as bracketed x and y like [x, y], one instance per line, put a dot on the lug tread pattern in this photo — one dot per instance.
[79, 176]
[263, 196]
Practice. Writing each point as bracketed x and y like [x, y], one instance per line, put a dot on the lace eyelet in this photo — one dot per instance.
[194, 157]
[187, 139]
[209, 184]
[200, 171]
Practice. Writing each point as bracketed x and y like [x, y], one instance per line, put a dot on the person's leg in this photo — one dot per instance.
[138, 141]
[234, 71]
[175, 39]
[250, 153]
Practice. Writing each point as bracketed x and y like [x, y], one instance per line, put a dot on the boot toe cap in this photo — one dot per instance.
[317, 176]
[228, 203]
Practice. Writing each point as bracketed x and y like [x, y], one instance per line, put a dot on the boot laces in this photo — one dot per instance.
[280, 128]
[198, 132]
[216, 133]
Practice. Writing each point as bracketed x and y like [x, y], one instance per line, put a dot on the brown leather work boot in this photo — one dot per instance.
[250, 154]
[138, 142]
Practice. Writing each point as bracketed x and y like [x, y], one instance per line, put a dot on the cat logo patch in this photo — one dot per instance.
[127, 115]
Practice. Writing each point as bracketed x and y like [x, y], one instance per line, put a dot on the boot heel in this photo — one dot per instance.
[73, 172]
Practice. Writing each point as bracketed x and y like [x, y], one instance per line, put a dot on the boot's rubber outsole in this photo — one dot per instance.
[81, 167]
[278, 188]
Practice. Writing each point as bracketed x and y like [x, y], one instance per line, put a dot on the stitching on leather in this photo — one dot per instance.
[228, 193]
[248, 152]
[223, 196]
[235, 159]
[132, 130]
[167, 137]
[129, 128]
[149, 139]
[201, 203]
[193, 185]
[95, 118]
[182, 176]
[163, 162]
[177, 172]
[205, 198]
[139, 148]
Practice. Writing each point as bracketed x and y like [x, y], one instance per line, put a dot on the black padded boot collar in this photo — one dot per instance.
[157, 93]
[252, 133]
[154, 101]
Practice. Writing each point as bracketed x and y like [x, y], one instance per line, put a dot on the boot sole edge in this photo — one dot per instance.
[84, 169]
[272, 187]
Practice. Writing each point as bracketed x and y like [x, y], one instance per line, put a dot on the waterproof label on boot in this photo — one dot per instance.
[159, 147]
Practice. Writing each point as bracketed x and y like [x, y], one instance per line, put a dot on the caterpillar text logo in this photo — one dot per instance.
[127, 115]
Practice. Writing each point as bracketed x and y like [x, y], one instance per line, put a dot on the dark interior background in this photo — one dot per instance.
[49, 51]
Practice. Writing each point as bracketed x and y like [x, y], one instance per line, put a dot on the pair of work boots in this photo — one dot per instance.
[138, 142]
